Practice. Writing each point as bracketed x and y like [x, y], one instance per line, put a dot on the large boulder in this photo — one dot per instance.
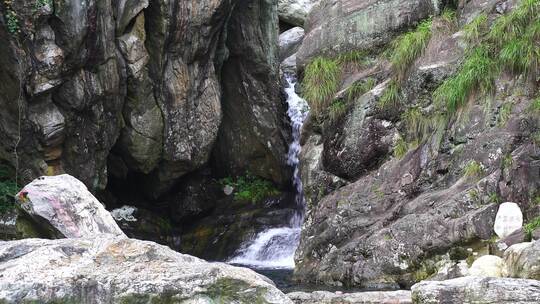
[370, 297]
[295, 12]
[289, 42]
[487, 266]
[254, 134]
[110, 269]
[477, 290]
[338, 26]
[65, 208]
[523, 260]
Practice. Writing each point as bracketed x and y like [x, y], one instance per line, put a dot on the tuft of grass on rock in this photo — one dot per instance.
[321, 82]
[478, 72]
[409, 46]
[476, 28]
[473, 169]
[390, 97]
[337, 109]
[531, 226]
[401, 148]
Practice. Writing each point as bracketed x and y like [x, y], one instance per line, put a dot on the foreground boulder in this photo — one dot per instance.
[371, 297]
[65, 208]
[112, 269]
[477, 290]
[523, 260]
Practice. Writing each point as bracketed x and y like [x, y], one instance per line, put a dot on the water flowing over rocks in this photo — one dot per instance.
[109, 269]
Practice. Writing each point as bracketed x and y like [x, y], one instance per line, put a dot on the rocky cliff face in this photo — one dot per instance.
[143, 80]
[396, 178]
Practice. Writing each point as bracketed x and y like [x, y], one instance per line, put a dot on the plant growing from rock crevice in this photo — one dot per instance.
[473, 169]
[8, 189]
[250, 188]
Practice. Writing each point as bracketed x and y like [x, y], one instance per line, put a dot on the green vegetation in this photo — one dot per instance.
[494, 198]
[473, 169]
[476, 28]
[507, 161]
[449, 16]
[391, 96]
[477, 72]
[337, 109]
[504, 113]
[360, 88]
[352, 57]
[41, 3]
[531, 226]
[250, 188]
[534, 107]
[409, 46]
[8, 189]
[321, 82]
[12, 22]
[401, 148]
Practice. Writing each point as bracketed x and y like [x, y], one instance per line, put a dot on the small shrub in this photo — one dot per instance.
[409, 46]
[401, 148]
[473, 169]
[360, 88]
[8, 189]
[321, 82]
[250, 188]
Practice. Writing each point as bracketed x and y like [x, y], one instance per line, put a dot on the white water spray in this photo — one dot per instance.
[274, 248]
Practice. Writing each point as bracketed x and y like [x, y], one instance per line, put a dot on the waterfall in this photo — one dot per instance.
[275, 247]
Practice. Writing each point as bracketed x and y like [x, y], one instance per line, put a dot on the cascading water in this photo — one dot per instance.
[274, 248]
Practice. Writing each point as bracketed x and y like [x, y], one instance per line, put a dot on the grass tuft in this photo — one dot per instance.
[531, 226]
[360, 88]
[473, 169]
[409, 46]
[477, 72]
[390, 97]
[504, 113]
[337, 109]
[321, 82]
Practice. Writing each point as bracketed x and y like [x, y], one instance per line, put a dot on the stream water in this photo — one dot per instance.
[272, 251]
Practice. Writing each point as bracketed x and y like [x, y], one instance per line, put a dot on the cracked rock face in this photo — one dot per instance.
[139, 83]
[110, 269]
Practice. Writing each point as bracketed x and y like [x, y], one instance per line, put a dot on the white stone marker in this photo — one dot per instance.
[509, 219]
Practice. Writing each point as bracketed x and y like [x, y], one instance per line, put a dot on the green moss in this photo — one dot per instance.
[473, 169]
[250, 188]
[409, 46]
[227, 290]
[534, 107]
[320, 84]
